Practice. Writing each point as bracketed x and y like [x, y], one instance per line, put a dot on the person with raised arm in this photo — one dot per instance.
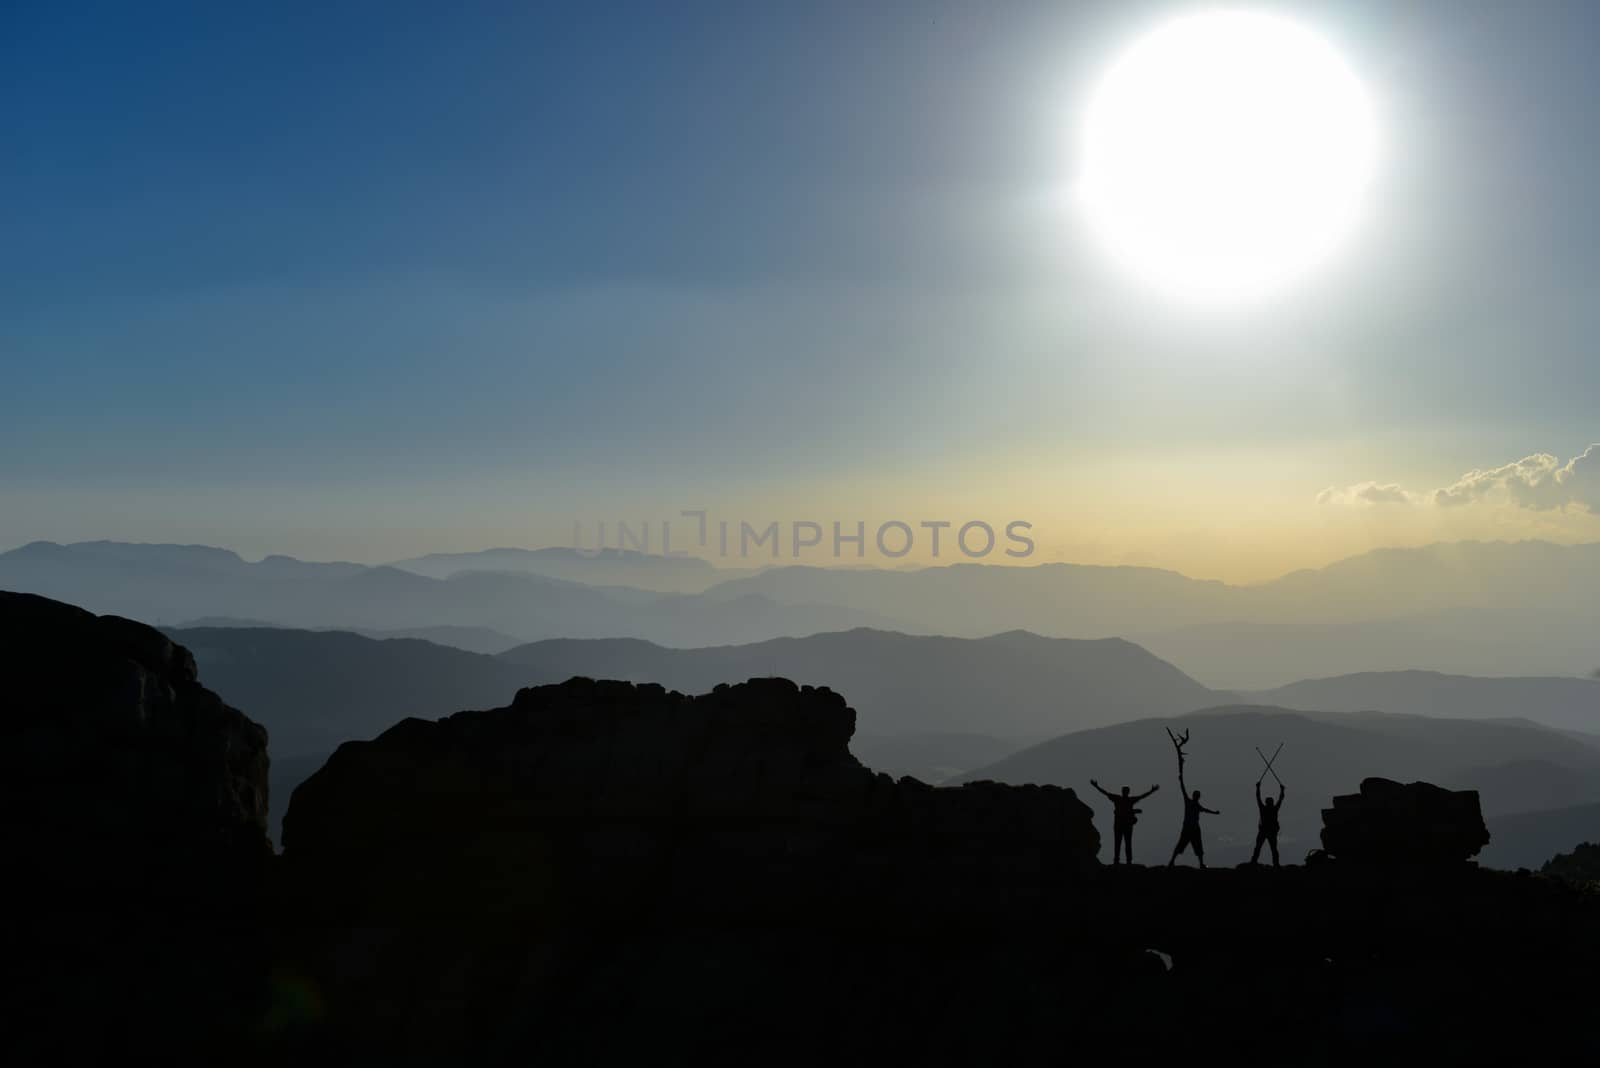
[1189, 838]
[1123, 817]
[1267, 821]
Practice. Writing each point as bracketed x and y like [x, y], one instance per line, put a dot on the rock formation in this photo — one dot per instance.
[1415, 823]
[135, 832]
[610, 791]
[1581, 866]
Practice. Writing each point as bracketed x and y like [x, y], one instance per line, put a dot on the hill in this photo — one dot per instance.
[315, 689]
[472, 639]
[1528, 839]
[1477, 642]
[1565, 703]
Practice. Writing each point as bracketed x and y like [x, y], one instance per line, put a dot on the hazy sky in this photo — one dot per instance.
[362, 281]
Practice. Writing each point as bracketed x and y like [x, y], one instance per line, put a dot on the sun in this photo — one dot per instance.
[1226, 154]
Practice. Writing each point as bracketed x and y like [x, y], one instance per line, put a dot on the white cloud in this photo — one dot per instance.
[1526, 481]
[1539, 482]
[1366, 493]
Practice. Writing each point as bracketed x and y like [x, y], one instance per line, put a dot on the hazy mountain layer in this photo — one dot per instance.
[1254, 656]
[1525, 608]
[1076, 600]
[166, 584]
[607, 567]
[1570, 703]
[313, 690]
[1528, 839]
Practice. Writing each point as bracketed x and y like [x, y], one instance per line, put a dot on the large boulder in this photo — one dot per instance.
[692, 843]
[606, 787]
[1412, 823]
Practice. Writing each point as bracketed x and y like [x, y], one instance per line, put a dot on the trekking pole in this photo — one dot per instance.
[1269, 763]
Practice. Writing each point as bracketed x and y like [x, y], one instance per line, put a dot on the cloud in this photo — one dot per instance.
[1539, 482]
[1528, 481]
[1581, 479]
[1365, 493]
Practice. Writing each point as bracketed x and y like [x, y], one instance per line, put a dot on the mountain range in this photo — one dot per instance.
[167, 584]
[1479, 608]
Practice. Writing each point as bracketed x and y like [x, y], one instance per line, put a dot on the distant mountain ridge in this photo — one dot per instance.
[594, 567]
[1479, 608]
[313, 687]
[469, 639]
[1064, 599]
[313, 690]
[1570, 703]
[166, 584]
[1528, 839]
[1508, 642]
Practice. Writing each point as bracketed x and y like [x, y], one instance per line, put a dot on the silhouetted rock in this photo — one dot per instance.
[1394, 823]
[111, 743]
[1582, 865]
[636, 789]
[135, 837]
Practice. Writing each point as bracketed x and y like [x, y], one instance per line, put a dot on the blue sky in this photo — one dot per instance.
[368, 280]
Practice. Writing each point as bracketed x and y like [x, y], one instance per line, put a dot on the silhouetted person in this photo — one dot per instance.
[1267, 826]
[1123, 817]
[1190, 837]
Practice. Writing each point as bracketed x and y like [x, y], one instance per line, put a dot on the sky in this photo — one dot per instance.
[362, 281]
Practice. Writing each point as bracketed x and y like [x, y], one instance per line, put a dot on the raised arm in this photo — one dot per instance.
[1148, 792]
[1213, 811]
[1282, 793]
[1102, 789]
[1258, 792]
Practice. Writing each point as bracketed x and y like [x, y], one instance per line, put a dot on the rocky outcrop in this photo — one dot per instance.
[604, 792]
[110, 743]
[1582, 865]
[1407, 824]
[135, 836]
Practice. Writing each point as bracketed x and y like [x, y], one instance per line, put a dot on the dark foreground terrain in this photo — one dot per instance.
[606, 873]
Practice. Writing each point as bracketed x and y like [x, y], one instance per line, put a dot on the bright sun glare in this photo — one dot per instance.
[1225, 154]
